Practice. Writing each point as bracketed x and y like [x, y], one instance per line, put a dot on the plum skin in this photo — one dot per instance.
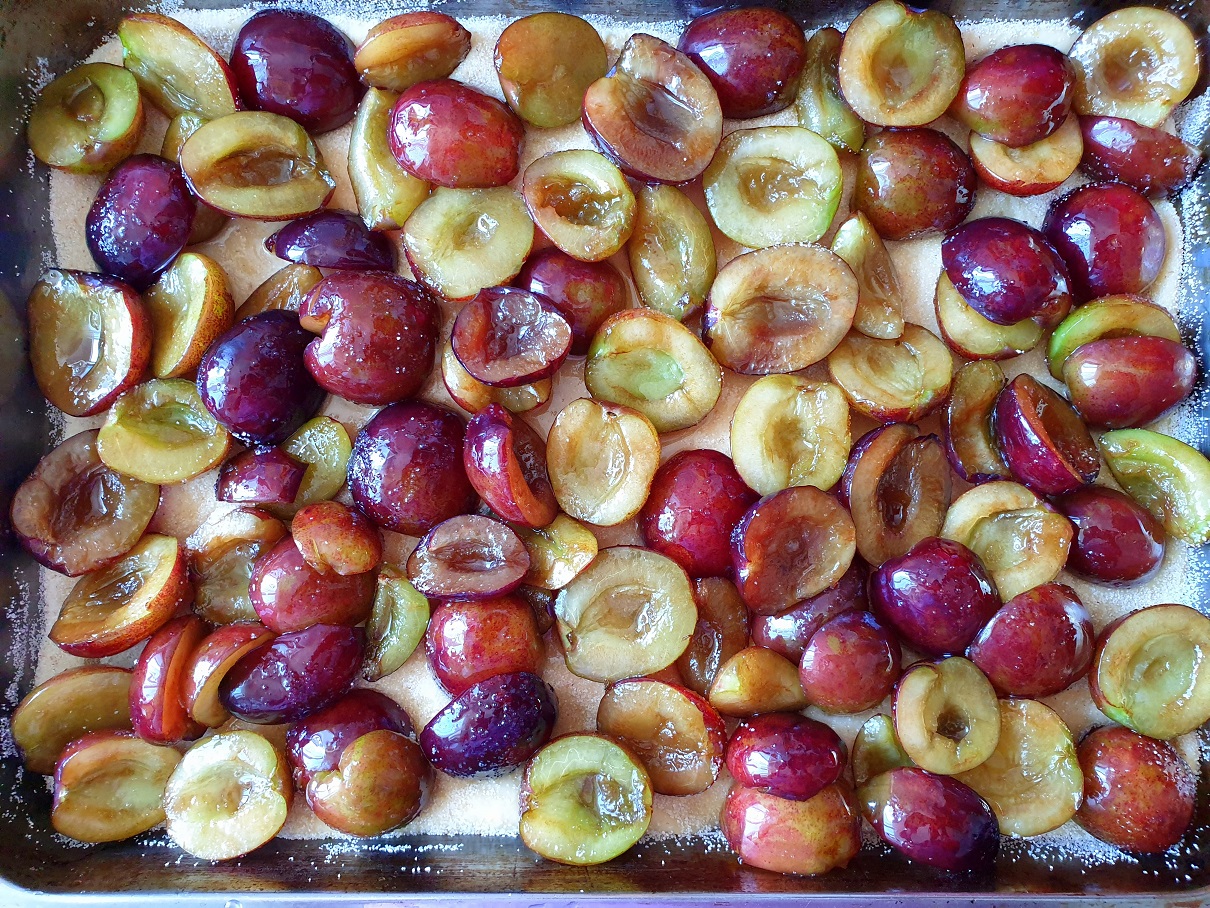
[694, 504]
[468, 642]
[1016, 95]
[785, 755]
[1116, 540]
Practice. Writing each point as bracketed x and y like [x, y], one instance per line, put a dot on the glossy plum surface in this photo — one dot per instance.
[1117, 541]
[492, 726]
[1045, 444]
[469, 642]
[315, 743]
[468, 557]
[545, 62]
[261, 475]
[378, 336]
[937, 596]
[1126, 382]
[157, 706]
[449, 134]
[1016, 95]
[296, 64]
[786, 755]
[912, 181]
[789, 632]
[585, 293]
[1036, 644]
[851, 663]
[1111, 238]
[506, 337]
[505, 461]
[696, 499]
[140, 220]
[405, 472]
[294, 675]
[753, 57]
[721, 632]
[1150, 160]
[290, 595]
[332, 239]
[792, 837]
[254, 381]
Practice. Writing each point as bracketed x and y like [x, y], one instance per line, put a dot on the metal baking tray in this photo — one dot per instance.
[39, 868]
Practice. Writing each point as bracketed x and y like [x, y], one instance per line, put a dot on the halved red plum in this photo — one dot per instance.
[1150, 160]
[946, 715]
[630, 613]
[545, 62]
[652, 363]
[785, 755]
[850, 664]
[791, 546]
[1148, 670]
[791, 631]
[472, 395]
[969, 438]
[1124, 382]
[1016, 95]
[90, 339]
[157, 684]
[1117, 540]
[585, 293]
[779, 309]
[972, 336]
[655, 113]
[581, 201]
[260, 475]
[179, 71]
[257, 165]
[461, 241]
[377, 336]
[381, 783]
[230, 794]
[934, 819]
[898, 380]
[755, 681]
[677, 735]
[584, 800]
[1042, 439]
[210, 662]
[901, 66]
[403, 50]
[720, 633]
[448, 134]
[880, 299]
[334, 537]
[506, 337]
[1006, 271]
[897, 487]
[1021, 540]
[1032, 169]
[601, 459]
[1137, 62]
[1108, 317]
[67, 706]
[109, 786]
[1166, 476]
[505, 461]
[937, 596]
[799, 837]
[469, 642]
[820, 105]
[87, 120]
[1038, 644]
[468, 557]
[386, 194]
[913, 181]
[110, 610]
[190, 306]
[753, 57]
[672, 256]
[776, 184]
[289, 594]
[222, 552]
[74, 514]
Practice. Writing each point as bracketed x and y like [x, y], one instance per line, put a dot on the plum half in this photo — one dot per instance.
[88, 119]
[898, 380]
[946, 715]
[671, 252]
[67, 706]
[1042, 439]
[1166, 476]
[178, 71]
[545, 62]
[969, 439]
[1150, 160]
[820, 105]
[800, 837]
[1033, 169]
[1016, 95]
[581, 201]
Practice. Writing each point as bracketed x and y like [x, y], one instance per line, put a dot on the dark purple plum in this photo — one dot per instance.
[377, 336]
[295, 675]
[1111, 238]
[1150, 160]
[937, 596]
[468, 557]
[789, 632]
[140, 220]
[406, 473]
[585, 293]
[911, 181]
[1042, 439]
[315, 744]
[1117, 541]
[492, 726]
[753, 58]
[850, 664]
[333, 239]
[1016, 95]
[933, 819]
[1039, 643]
[695, 501]
[786, 755]
[253, 378]
[1006, 271]
[298, 65]
[261, 475]
[1127, 382]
